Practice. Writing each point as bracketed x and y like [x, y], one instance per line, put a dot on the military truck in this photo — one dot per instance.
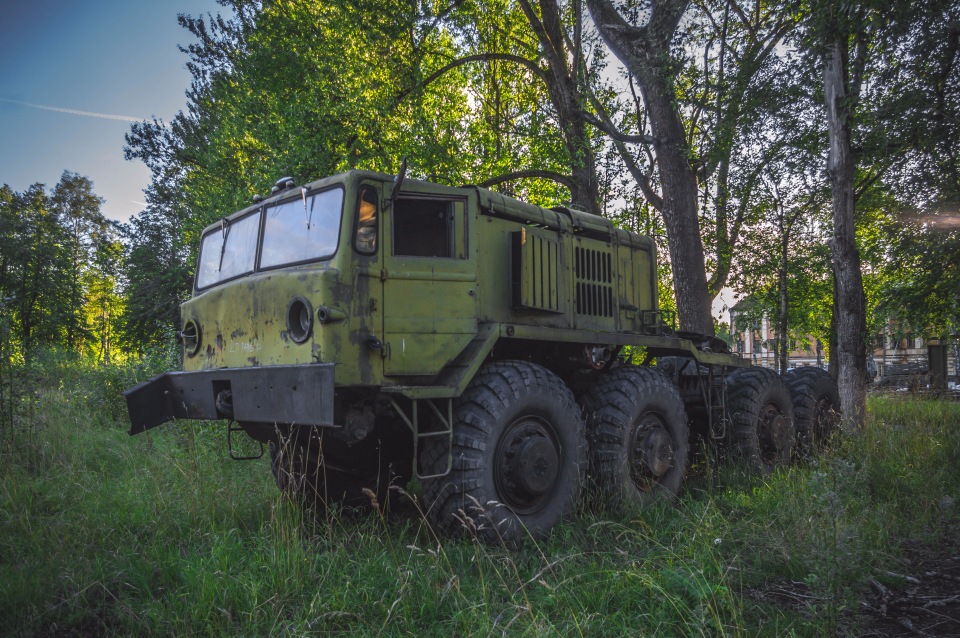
[367, 328]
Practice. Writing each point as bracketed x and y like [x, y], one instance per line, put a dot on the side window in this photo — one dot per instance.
[428, 228]
[365, 240]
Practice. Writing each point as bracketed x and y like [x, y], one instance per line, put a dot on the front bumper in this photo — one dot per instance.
[301, 394]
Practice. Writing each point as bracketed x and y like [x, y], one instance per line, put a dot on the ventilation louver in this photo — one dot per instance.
[594, 283]
[535, 283]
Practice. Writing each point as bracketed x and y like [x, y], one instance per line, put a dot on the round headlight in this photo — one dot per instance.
[190, 336]
[299, 319]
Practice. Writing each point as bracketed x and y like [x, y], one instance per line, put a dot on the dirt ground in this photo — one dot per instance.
[923, 599]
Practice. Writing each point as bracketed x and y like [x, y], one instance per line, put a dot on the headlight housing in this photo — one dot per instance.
[190, 337]
[299, 319]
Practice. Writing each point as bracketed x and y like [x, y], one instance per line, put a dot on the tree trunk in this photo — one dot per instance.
[679, 208]
[565, 93]
[850, 304]
[645, 52]
[784, 302]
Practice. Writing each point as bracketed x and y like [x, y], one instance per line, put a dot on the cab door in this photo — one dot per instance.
[367, 291]
[429, 281]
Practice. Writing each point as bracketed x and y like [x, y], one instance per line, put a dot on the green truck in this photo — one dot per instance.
[367, 328]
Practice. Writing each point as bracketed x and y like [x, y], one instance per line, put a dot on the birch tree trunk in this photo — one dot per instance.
[850, 304]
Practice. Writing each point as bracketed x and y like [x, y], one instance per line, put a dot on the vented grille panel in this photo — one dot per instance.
[536, 267]
[594, 285]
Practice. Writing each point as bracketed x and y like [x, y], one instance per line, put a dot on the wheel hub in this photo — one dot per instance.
[536, 466]
[777, 429]
[527, 465]
[655, 452]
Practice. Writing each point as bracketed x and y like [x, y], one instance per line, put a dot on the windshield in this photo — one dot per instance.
[229, 251]
[302, 229]
[295, 231]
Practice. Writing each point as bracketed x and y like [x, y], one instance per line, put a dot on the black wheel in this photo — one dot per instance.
[816, 409]
[519, 456]
[761, 415]
[319, 471]
[639, 434]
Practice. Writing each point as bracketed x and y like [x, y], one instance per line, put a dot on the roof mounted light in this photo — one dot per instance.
[283, 184]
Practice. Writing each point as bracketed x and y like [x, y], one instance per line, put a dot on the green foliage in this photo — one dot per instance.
[58, 269]
[919, 288]
[903, 79]
[158, 275]
[914, 238]
[472, 91]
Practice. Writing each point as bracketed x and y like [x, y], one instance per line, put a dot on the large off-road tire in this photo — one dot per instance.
[761, 415]
[639, 436]
[519, 457]
[319, 471]
[816, 409]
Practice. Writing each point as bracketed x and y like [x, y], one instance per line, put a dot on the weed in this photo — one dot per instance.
[161, 534]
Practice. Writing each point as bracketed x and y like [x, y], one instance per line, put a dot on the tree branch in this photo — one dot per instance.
[641, 178]
[743, 18]
[867, 182]
[554, 55]
[611, 130]
[564, 180]
[486, 57]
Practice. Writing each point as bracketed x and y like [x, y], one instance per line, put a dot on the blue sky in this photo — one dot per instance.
[105, 61]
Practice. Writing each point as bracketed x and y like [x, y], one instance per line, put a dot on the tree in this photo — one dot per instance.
[58, 262]
[855, 43]
[787, 278]
[840, 94]
[78, 210]
[104, 303]
[157, 271]
[915, 242]
[644, 50]
[290, 88]
[35, 264]
[564, 80]
[710, 85]
[303, 89]
[742, 100]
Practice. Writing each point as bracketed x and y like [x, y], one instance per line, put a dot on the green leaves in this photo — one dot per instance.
[476, 90]
[58, 269]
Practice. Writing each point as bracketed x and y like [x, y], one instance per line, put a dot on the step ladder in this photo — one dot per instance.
[715, 400]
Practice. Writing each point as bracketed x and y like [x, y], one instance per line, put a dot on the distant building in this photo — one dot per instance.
[754, 339]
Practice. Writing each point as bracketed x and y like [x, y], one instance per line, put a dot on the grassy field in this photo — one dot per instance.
[162, 534]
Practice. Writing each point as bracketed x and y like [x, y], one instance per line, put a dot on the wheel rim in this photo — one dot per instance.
[527, 464]
[774, 432]
[652, 452]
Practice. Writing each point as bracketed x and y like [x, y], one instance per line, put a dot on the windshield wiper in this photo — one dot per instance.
[225, 231]
[303, 193]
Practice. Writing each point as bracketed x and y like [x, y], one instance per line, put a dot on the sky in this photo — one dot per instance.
[75, 75]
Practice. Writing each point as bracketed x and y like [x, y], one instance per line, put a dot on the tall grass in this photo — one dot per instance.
[162, 534]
